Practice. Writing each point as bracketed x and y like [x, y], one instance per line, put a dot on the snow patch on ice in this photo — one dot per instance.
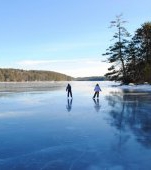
[137, 87]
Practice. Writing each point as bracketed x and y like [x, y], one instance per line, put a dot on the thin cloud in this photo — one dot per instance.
[42, 62]
[74, 67]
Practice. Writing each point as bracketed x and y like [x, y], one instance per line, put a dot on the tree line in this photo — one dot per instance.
[94, 78]
[18, 75]
[129, 56]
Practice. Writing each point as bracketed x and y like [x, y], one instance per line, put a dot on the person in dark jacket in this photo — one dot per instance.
[69, 91]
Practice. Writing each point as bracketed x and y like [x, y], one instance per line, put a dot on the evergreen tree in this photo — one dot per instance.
[117, 52]
[142, 48]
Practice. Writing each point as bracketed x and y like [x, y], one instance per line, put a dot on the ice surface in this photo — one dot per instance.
[42, 129]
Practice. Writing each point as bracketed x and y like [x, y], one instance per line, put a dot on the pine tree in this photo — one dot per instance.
[117, 52]
[142, 41]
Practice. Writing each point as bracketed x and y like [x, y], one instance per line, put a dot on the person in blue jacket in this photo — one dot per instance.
[97, 89]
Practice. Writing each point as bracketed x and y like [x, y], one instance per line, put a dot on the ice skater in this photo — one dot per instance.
[69, 91]
[97, 89]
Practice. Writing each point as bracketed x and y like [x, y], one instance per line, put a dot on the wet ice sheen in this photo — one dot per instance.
[40, 129]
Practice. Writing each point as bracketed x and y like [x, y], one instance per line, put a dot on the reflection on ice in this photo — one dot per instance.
[37, 131]
[69, 104]
[97, 105]
[132, 112]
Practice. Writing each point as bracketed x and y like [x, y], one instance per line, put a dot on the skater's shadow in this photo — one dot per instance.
[69, 105]
[97, 105]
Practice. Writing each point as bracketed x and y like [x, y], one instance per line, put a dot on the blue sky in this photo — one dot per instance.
[67, 36]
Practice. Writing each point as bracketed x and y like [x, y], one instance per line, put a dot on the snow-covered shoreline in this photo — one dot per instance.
[139, 87]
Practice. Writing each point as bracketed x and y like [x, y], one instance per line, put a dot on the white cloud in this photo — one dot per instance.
[26, 63]
[74, 67]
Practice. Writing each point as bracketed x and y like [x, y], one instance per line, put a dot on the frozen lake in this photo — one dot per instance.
[40, 129]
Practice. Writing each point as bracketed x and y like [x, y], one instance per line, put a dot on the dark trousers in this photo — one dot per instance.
[69, 93]
[96, 93]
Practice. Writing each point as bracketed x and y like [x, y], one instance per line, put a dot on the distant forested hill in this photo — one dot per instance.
[18, 75]
[95, 78]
